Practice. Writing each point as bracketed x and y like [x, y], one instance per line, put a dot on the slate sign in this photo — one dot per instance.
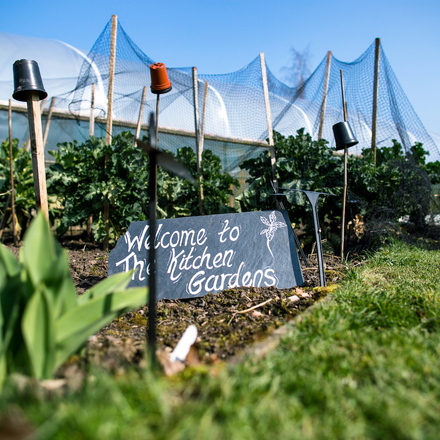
[199, 255]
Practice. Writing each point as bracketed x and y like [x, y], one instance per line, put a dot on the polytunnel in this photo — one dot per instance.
[236, 118]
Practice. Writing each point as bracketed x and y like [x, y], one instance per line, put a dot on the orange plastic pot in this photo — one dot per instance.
[159, 79]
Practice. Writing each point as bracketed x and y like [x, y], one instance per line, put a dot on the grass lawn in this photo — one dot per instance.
[364, 364]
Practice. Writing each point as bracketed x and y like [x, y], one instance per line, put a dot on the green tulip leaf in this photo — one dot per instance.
[37, 327]
[8, 263]
[39, 250]
[118, 281]
[74, 327]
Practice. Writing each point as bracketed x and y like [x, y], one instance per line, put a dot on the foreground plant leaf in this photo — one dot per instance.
[37, 325]
[42, 322]
[74, 327]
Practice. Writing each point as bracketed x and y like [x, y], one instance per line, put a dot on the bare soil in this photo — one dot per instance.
[227, 322]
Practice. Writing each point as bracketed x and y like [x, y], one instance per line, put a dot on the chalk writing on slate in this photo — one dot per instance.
[199, 255]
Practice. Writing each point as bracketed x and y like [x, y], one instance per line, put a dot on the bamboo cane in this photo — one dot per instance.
[141, 109]
[92, 113]
[201, 142]
[375, 98]
[49, 118]
[196, 113]
[344, 105]
[324, 95]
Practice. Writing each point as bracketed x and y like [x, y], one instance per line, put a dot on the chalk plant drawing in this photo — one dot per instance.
[273, 226]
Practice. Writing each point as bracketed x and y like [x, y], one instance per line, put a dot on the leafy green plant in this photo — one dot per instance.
[42, 321]
[24, 195]
[302, 163]
[399, 184]
[216, 184]
[84, 181]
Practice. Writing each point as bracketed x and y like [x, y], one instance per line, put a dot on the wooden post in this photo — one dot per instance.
[196, 113]
[37, 150]
[49, 117]
[92, 113]
[344, 106]
[269, 120]
[324, 94]
[141, 109]
[11, 168]
[28, 142]
[375, 98]
[109, 126]
[201, 142]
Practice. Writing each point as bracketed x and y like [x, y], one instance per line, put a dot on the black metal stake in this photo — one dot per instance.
[297, 242]
[313, 199]
[152, 191]
[313, 196]
[165, 160]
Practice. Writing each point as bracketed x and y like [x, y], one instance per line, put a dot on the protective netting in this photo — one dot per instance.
[235, 108]
[396, 118]
[235, 125]
[236, 128]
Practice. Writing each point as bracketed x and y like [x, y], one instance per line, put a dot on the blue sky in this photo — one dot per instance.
[220, 36]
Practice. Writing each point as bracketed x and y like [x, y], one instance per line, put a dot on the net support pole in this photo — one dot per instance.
[269, 120]
[92, 113]
[11, 169]
[109, 125]
[196, 114]
[344, 202]
[141, 109]
[202, 125]
[324, 94]
[49, 118]
[375, 98]
[201, 142]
